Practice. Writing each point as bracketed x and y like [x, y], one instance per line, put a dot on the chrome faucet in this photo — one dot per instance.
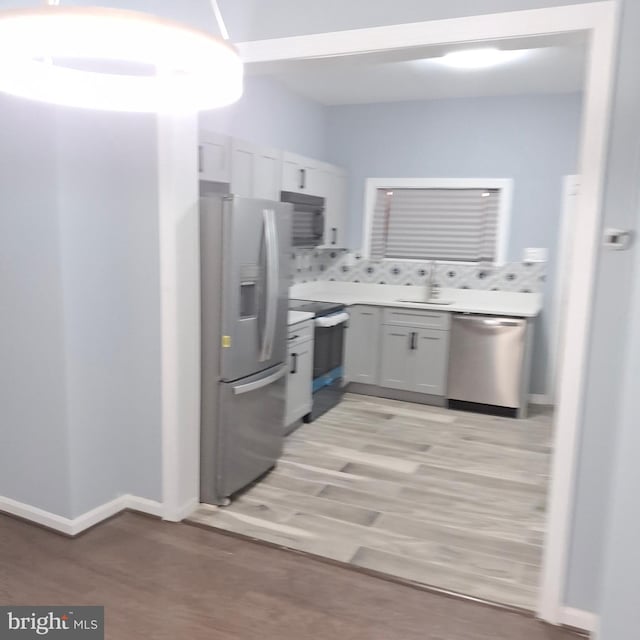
[432, 289]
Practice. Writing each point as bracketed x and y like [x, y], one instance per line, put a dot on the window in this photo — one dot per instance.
[445, 220]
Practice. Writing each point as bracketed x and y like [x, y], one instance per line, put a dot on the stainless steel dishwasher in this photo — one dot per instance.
[488, 364]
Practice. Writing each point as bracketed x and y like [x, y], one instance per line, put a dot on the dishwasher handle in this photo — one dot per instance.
[489, 321]
[487, 356]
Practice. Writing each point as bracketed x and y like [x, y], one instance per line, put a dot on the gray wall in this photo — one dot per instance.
[609, 510]
[531, 139]
[34, 435]
[603, 453]
[620, 586]
[108, 203]
[618, 512]
[79, 284]
[271, 115]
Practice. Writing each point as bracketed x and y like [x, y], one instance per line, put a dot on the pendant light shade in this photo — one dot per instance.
[116, 60]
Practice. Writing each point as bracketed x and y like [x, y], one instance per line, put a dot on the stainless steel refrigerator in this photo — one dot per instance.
[245, 250]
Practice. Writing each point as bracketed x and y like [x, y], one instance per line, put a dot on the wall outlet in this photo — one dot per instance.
[535, 254]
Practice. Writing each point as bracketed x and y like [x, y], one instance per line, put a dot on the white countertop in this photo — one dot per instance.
[495, 303]
[298, 316]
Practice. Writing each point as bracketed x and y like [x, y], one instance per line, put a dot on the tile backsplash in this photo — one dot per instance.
[309, 265]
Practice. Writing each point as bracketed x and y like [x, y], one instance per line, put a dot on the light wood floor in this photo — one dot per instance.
[176, 582]
[447, 499]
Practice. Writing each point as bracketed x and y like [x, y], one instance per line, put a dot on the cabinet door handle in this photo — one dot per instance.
[294, 363]
[302, 178]
[293, 337]
[414, 340]
[200, 159]
[334, 235]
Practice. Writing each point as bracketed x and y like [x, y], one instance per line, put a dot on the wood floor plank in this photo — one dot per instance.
[461, 495]
[167, 581]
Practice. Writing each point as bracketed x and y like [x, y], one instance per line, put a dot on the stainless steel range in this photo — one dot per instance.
[330, 319]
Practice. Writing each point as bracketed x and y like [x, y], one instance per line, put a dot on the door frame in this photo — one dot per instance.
[599, 21]
[570, 188]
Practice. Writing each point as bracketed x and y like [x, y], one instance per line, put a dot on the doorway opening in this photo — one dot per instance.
[597, 24]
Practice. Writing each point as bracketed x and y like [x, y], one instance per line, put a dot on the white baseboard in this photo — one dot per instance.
[93, 517]
[37, 515]
[540, 398]
[182, 512]
[74, 526]
[578, 619]
[144, 505]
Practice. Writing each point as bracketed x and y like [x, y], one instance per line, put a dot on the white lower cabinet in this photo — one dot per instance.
[402, 349]
[300, 376]
[362, 352]
[414, 359]
[397, 357]
[431, 362]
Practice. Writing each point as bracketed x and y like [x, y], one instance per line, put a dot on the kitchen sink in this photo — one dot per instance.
[432, 301]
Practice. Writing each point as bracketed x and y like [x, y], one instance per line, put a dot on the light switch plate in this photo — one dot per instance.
[618, 239]
[535, 254]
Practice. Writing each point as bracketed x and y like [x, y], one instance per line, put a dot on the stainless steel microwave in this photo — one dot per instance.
[308, 218]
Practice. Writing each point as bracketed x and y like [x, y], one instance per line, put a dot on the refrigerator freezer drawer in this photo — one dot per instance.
[486, 360]
[249, 436]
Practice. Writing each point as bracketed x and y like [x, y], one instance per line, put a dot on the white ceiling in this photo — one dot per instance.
[552, 65]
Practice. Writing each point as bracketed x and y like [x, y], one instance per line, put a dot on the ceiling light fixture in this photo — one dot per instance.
[480, 58]
[66, 56]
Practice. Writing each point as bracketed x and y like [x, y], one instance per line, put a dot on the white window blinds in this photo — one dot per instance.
[435, 224]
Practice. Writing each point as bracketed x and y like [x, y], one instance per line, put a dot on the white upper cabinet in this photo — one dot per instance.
[214, 157]
[242, 168]
[256, 172]
[304, 175]
[268, 174]
[334, 187]
[301, 174]
[253, 171]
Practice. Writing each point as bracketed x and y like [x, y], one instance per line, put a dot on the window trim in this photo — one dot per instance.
[505, 185]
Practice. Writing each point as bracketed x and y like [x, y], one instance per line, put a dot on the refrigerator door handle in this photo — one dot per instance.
[259, 384]
[272, 277]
